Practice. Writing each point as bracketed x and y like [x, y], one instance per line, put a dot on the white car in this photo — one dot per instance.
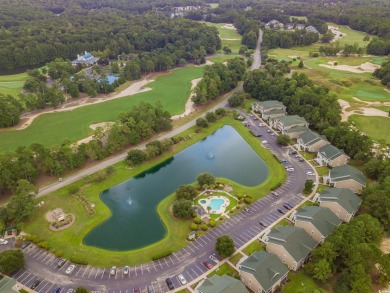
[70, 269]
[182, 280]
[290, 169]
[261, 124]
[113, 271]
[126, 270]
[310, 173]
[4, 242]
[264, 141]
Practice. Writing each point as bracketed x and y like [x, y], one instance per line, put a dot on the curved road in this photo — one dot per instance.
[242, 227]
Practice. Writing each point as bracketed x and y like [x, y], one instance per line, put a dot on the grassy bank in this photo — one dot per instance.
[375, 127]
[69, 241]
[172, 90]
[12, 84]
[229, 37]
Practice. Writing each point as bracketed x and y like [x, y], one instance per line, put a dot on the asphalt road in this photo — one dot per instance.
[242, 227]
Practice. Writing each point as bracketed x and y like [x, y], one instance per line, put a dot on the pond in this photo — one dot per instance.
[135, 223]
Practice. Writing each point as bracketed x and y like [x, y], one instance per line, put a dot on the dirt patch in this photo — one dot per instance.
[232, 39]
[385, 245]
[362, 68]
[105, 125]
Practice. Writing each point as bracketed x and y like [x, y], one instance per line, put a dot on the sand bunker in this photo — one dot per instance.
[105, 125]
[336, 32]
[362, 68]
[190, 104]
[229, 26]
[360, 111]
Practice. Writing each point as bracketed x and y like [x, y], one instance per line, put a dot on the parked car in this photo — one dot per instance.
[61, 262]
[272, 134]
[26, 244]
[284, 161]
[57, 290]
[126, 270]
[207, 264]
[281, 211]
[263, 224]
[113, 271]
[261, 124]
[289, 204]
[169, 283]
[255, 118]
[293, 153]
[287, 207]
[274, 193]
[136, 290]
[35, 284]
[269, 131]
[3, 241]
[259, 135]
[150, 289]
[290, 169]
[301, 160]
[310, 173]
[182, 280]
[70, 269]
[264, 141]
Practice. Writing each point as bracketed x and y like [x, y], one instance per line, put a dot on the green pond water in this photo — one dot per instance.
[135, 223]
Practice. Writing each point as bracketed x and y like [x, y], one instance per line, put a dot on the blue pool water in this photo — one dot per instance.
[216, 203]
[203, 201]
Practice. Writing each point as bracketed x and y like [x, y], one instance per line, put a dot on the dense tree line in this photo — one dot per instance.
[106, 32]
[287, 39]
[383, 73]
[10, 110]
[352, 251]
[132, 127]
[219, 78]
[299, 94]
[346, 50]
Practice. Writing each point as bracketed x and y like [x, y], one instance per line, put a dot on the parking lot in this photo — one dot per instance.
[242, 227]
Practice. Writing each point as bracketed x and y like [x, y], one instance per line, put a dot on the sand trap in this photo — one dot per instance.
[234, 39]
[189, 104]
[336, 32]
[360, 111]
[229, 26]
[362, 68]
[105, 126]
[372, 103]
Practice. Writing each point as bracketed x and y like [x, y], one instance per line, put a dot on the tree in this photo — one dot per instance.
[188, 192]
[236, 100]
[224, 246]
[300, 65]
[205, 179]
[322, 271]
[11, 260]
[135, 157]
[202, 123]
[308, 186]
[21, 206]
[183, 208]
[283, 139]
[211, 117]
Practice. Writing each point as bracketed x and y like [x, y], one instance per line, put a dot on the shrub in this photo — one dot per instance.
[335, 63]
[183, 208]
[73, 189]
[204, 227]
[221, 112]
[110, 170]
[77, 260]
[212, 223]
[247, 200]
[315, 55]
[22, 291]
[211, 117]
[202, 122]
[197, 220]
[194, 227]
[162, 255]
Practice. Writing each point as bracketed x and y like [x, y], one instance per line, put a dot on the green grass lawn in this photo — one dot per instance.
[236, 258]
[322, 171]
[223, 58]
[224, 269]
[298, 17]
[301, 283]
[214, 5]
[70, 241]
[375, 127]
[229, 37]
[172, 90]
[12, 84]
[253, 247]
[352, 35]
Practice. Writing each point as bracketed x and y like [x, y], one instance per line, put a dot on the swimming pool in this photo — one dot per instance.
[203, 201]
[216, 203]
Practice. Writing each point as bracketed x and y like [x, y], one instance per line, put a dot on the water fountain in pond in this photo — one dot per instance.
[210, 156]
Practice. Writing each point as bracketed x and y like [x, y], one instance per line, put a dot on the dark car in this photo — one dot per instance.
[57, 290]
[35, 284]
[263, 224]
[301, 160]
[207, 264]
[287, 207]
[293, 153]
[61, 262]
[281, 211]
[169, 283]
[25, 244]
[259, 135]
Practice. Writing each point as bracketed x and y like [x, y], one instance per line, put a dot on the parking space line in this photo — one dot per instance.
[90, 272]
[21, 276]
[103, 273]
[22, 280]
[86, 269]
[78, 271]
[97, 272]
[200, 239]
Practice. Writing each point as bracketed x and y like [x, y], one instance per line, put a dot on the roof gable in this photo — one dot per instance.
[347, 172]
[310, 137]
[343, 196]
[265, 267]
[222, 284]
[330, 152]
